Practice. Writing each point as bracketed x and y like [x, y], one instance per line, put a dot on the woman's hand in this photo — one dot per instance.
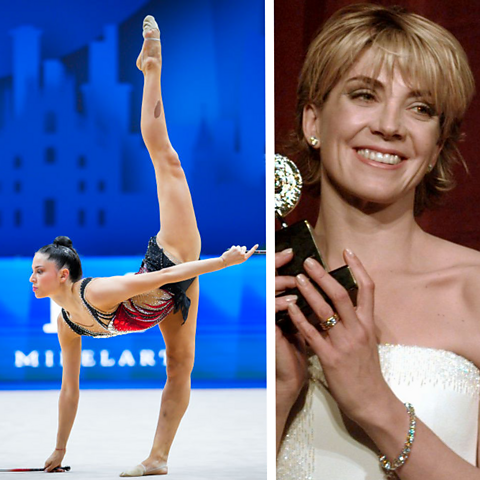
[237, 254]
[291, 375]
[55, 460]
[290, 351]
[348, 351]
[283, 283]
[291, 365]
[291, 361]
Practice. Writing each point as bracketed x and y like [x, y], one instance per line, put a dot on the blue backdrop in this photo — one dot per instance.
[72, 162]
[230, 334]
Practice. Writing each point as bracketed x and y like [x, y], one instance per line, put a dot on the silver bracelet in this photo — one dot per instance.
[402, 458]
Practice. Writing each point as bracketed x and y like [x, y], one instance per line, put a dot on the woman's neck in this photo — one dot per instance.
[382, 237]
[65, 297]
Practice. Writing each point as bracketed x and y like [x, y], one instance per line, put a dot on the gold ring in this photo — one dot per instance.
[330, 322]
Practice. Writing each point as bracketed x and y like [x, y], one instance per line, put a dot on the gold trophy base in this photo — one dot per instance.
[300, 238]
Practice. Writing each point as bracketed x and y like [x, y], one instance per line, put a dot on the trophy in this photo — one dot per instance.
[300, 238]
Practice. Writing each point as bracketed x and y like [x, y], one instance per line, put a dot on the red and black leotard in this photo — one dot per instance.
[143, 311]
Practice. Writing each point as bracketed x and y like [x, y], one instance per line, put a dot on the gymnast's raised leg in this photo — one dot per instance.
[179, 237]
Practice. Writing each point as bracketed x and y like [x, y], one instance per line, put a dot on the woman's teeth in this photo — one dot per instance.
[380, 157]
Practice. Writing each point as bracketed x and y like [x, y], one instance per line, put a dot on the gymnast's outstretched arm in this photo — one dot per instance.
[71, 345]
[107, 293]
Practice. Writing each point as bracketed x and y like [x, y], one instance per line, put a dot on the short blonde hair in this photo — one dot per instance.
[426, 54]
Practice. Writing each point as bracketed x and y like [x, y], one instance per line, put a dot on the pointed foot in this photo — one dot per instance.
[149, 23]
[151, 54]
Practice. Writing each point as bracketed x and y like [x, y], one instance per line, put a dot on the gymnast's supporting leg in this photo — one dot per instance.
[180, 349]
[178, 235]
[180, 352]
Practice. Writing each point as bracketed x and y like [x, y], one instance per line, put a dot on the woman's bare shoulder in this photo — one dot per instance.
[445, 255]
[97, 292]
[461, 270]
[458, 268]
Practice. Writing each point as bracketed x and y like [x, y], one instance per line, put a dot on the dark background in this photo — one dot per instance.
[296, 23]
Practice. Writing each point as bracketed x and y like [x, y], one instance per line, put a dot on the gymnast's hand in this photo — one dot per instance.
[54, 460]
[237, 254]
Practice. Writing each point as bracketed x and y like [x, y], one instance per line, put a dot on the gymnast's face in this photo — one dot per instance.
[378, 135]
[46, 277]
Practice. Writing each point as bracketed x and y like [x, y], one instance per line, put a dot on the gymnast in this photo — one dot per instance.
[105, 307]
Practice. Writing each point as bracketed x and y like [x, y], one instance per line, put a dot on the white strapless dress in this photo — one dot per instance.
[443, 387]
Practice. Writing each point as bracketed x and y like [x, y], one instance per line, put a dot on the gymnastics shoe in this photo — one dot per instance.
[149, 23]
[141, 471]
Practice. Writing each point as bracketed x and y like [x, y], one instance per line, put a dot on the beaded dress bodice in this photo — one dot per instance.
[442, 386]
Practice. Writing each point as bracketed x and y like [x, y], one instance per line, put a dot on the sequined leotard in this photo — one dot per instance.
[143, 311]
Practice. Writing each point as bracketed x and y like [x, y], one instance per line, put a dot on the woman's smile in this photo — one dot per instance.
[378, 136]
[372, 154]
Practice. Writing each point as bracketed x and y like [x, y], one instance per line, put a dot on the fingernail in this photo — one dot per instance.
[302, 280]
[310, 262]
[292, 307]
[290, 298]
[349, 252]
[287, 251]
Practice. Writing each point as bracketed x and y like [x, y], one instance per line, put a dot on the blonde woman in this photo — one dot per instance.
[390, 387]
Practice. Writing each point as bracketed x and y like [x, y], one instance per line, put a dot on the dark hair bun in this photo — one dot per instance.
[64, 257]
[62, 241]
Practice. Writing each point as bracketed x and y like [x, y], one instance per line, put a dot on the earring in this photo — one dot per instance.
[314, 141]
[429, 168]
